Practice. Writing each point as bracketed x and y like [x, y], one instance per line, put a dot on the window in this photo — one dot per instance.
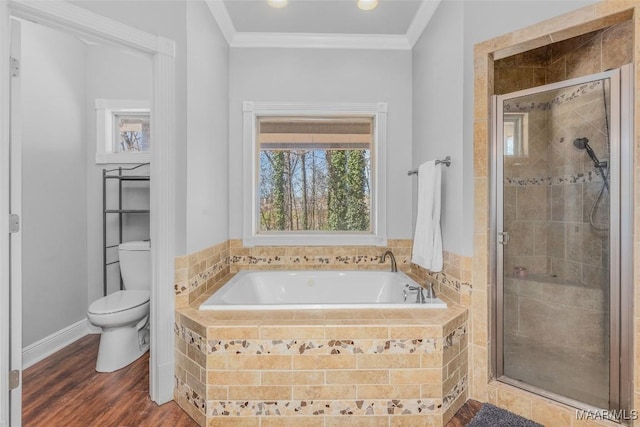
[315, 175]
[123, 131]
[516, 130]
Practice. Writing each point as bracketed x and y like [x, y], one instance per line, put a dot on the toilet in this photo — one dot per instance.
[124, 315]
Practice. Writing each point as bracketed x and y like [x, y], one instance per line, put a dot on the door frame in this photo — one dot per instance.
[78, 21]
[621, 248]
[15, 239]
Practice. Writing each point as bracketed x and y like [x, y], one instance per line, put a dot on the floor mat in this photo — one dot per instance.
[492, 416]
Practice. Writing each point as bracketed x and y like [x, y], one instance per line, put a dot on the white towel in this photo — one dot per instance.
[427, 242]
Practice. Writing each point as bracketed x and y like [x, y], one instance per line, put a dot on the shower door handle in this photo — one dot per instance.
[503, 237]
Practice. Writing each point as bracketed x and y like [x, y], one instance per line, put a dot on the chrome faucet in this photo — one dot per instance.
[394, 266]
[420, 292]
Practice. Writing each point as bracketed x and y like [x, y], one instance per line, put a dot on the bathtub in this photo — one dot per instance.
[292, 290]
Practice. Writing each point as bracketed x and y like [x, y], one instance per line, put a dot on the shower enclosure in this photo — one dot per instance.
[563, 239]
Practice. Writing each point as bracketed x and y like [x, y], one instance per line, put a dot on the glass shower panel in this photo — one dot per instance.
[555, 253]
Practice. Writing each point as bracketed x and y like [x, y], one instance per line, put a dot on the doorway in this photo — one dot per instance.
[563, 220]
[94, 27]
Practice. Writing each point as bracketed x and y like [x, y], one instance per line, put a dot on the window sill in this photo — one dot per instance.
[115, 158]
[314, 240]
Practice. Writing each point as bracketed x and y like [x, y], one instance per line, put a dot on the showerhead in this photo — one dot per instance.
[580, 143]
[583, 144]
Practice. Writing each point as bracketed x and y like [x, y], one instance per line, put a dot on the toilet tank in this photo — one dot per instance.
[135, 265]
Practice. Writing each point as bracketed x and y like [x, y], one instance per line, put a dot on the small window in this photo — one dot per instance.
[314, 174]
[132, 132]
[123, 131]
[516, 134]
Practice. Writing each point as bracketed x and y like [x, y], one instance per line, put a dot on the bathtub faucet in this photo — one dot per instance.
[394, 266]
[419, 294]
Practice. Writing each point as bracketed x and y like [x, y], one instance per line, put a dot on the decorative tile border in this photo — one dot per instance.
[316, 347]
[347, 407]
[185, 392]
[454, 337]
[570, 95]
[197, 269]
[456, 391]
[577, 178]
[318, 257]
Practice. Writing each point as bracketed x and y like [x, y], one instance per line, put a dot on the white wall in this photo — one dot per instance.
[54, 227]
[325, 75]
[438, 65]
[207, 130]
[112, 74]
[166, 18]
[479, 20]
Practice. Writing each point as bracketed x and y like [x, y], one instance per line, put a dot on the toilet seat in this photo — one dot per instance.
[119, 301]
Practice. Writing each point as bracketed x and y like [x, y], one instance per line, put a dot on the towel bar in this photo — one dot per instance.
[446, 161]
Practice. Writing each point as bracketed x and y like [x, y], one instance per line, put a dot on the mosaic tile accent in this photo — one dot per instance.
[318, 257]
[566, 96]
[453, 394]
[322, 407]
[315, 347]
[577, 178]
[454, 337]
[454, 281]
[197, 272]
[190, 396]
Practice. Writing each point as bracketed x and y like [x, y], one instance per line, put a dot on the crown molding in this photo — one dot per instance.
[221, 16]
[326, 41]
[319, 40]
[421, 20]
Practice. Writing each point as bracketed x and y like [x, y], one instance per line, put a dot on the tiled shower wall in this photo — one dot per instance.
[586, 54]
[549, 194]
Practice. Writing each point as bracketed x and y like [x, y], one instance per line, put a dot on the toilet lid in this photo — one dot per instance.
[119, 301]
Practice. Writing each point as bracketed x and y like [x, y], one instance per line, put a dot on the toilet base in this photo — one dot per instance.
[121, 346]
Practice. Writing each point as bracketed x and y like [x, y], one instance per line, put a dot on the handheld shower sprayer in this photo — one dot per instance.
[583, 144]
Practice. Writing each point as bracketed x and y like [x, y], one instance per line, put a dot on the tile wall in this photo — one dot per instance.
[318, 257]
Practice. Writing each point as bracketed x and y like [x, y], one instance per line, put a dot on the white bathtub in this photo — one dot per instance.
[292, 290]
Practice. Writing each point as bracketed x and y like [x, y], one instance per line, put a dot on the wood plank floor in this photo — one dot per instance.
[465, 414]
[65, 390]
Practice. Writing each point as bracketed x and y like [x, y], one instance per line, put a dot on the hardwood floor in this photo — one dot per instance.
[465, 413]
[65, 390]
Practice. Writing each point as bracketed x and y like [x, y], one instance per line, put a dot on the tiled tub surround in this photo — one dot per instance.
[453, 282]
[318, 257]
[386, 367]
[198, 272]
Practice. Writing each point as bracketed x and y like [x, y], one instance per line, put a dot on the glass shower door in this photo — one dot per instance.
[558, 225]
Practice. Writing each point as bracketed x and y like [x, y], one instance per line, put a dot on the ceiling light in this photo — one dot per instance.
[278, 4]
[367, 4]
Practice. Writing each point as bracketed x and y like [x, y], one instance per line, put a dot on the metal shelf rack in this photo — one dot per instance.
[118, 175]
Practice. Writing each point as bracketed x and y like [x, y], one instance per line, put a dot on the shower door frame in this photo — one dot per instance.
[620, 237]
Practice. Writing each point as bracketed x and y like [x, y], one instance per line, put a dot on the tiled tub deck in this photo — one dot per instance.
[320, 367]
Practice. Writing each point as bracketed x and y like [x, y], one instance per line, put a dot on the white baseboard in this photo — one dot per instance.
[162, 391]
[39, 350]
